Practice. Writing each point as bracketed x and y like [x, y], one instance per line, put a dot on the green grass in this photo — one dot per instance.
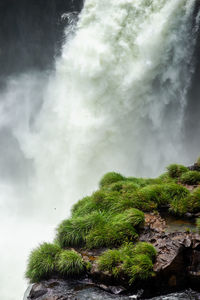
[73, 232]
[135, 261]
[138, 267]
[110, 178]
[191, 178]
[198, 225]
[120, 228]
[175, 171]
[70, 263]
[42, 262]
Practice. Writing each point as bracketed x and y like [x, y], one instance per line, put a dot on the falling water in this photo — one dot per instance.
[116, 101]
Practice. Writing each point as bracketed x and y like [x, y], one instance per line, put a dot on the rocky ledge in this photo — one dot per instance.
[177, 267]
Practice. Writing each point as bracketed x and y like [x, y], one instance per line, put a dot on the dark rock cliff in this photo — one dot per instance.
[31, 32]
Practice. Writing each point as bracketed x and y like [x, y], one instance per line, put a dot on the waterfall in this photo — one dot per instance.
[115, 102]
[118, 98]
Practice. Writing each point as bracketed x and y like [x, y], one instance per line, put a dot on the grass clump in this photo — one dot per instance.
[70, 263]
[73, 232]
[175, 171]
[198, 225]
[42, 262]
[191, 178]
[120, 228]
[110, 178]
[134, 261]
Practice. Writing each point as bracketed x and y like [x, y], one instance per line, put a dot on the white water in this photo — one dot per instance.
[115, 102]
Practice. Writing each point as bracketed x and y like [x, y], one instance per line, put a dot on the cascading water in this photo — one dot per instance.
[118, 98]
[115, 102]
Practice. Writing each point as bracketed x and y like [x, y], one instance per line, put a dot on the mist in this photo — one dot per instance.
[117, 91]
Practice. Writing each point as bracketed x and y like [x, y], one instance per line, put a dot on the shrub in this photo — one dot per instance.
[176, 171]
[72, 232]
[110, 178]
[191, 177]
[42, 262]
[70, 263]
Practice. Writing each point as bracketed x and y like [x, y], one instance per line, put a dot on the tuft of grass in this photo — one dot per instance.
[138, 267]
[145, 248]
[135, 261]
[189, 203]
[42, 262]
[119, 228]
[73, 232]
[191, 178]
[110, 178]
[198, 225]
[198, 161]
[84, 206]
[175, 171]
[70, 263]
[110, 261]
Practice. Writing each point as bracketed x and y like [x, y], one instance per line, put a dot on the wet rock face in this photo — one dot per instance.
[31, 33]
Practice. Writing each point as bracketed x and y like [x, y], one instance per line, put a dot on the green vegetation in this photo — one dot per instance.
[110, 178]
[191, 177]
[175, 171]
[198, 225]
[135, 261]
[198, 161]
[113, 217]
[42, 262]
[70, 263]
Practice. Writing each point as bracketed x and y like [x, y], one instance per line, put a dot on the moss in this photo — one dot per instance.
[110, 178]
[42, 262]
[191, 178]
[176, 171]
[70, 263]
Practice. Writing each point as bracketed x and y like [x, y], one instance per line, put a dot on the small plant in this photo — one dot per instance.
[70, 263]
[110, 178]
[42, 262]
[175, 171]
[193, 201]
[191, 177]
[198, 225]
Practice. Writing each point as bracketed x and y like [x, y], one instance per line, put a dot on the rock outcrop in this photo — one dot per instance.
[177, 266]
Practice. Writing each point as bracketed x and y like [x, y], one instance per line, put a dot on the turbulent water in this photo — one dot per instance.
[116, 101]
